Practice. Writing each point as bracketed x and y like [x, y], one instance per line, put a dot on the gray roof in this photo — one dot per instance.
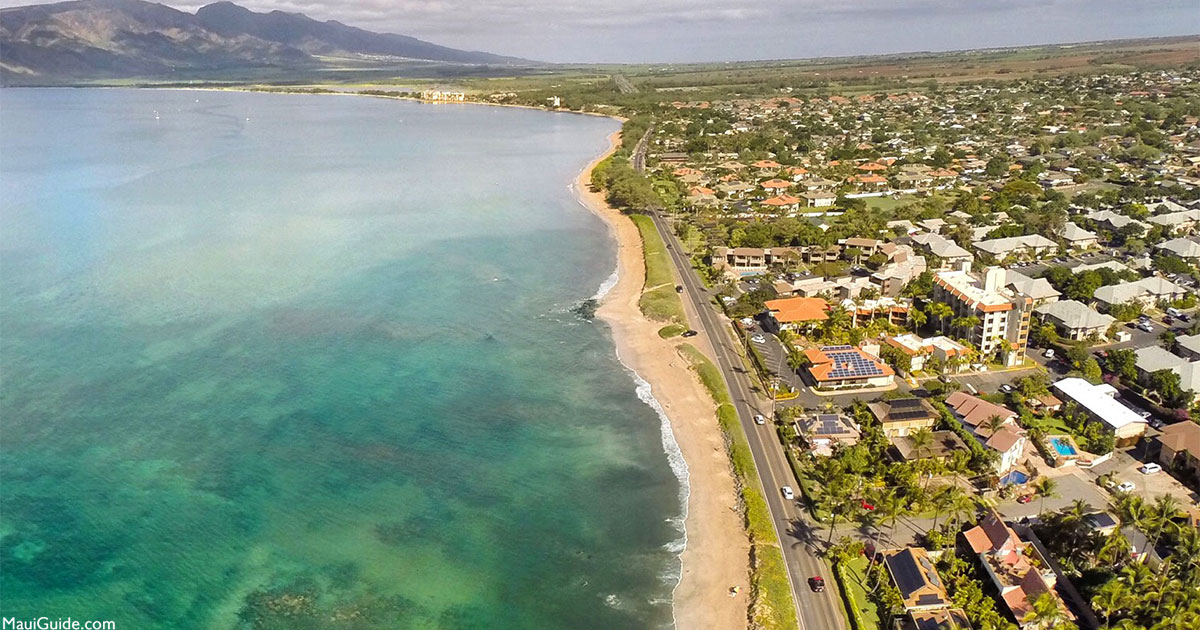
[1074, 314]
[1072, 232]
[1189, 342]
[1121, 293]
[1036, 288]
[1003, 246]
[1112, 218]
[1182, 247]
[1154, 358]
[941, 246]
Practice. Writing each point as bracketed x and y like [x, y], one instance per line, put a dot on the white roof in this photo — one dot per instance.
[1097, 400]
[1075, 314]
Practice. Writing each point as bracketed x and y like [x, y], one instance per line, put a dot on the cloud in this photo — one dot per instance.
[706, 30]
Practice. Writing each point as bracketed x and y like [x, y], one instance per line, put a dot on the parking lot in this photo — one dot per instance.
[1124, 466]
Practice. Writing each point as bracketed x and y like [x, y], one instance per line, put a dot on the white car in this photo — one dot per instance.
[787, 493]
[1006, 388]
[1150, 469]
[1126, 486]
[759, 419]
[1049, 353]
[758, 339]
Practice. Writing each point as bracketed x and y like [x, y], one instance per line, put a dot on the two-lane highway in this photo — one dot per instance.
[817, 611]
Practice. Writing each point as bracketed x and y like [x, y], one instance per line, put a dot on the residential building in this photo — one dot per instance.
[797, 312]
[1179, 447]
[941, 445]
[1075, 320]
[902, 416]
[1018, 569]
[947, 251]
[1078, 238]
[818, 199]
[1100, 404]
[913, 573]
[941, 619]
[1147, 292]
[1182, 221]
[847, 367]
[1002, 313]
[1039, 289]
[1114, 222]
[754, 259]
[1008, 439]
[894, 275]
[824, 431]
[949, 353]
[1030, 246]
[1151, 359]
[1184, 248]
[1188, 346]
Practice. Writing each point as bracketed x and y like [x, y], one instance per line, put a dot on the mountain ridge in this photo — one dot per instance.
[113, 39]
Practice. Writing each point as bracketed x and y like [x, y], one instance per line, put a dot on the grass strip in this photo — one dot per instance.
[659, 299]
[771, 603]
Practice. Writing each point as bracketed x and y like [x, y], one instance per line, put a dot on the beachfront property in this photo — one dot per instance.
[902, 416]
[950, 354]
[1018, 569]
[1002, 313]
[796, 313]
[977, 416]
[1075, 320]
[440, 96]
[1100, 404]
[846, 367]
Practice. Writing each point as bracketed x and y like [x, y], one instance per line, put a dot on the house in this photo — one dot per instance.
[941, 445]
[1182, 221]
[914, 576]
[1030, 246]
[846, 367]
[1039, 289]
[796, 312]
[1179, 446]
[1075, 320]
[868, 246]
[1184, 248]
[940, 619]
[949, 353]
[1078, 238]
[824, 431]
[1114, 222]
[1002, 314]
[1102, 523]
[1147, 291]
[947, 251]
[1018, 569]
[818, 199]
[902, 416]
[1151, 359]
[1008, 439]
[1188, 346]
[1100, 404]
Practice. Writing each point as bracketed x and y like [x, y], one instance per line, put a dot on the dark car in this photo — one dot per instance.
[816, 583]
[679, 288]
[690, 333]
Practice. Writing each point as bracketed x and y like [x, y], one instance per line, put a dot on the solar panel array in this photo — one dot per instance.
[848, 362]
[829, 424]
[905, 572]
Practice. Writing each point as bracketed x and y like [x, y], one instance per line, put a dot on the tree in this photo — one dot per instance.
[1091, 370]
[1044, 488]
[1167, 384]
[1123, 363]
[1045, 612]
[940, 311]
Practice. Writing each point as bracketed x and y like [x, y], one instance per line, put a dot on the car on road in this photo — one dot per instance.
[1145, 415]
[1155, 423]
[759, 419]
[788, 493]
[1049, 353]
[1167, 320]
[1025, 498]
[1006, 388]
[1145, 327]
[1150, 469]
[1183, 317]
[758, 339]
[1126, 486]
[816, 583]
[690, 333]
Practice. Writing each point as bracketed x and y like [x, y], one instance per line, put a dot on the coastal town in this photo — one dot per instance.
[965, 319]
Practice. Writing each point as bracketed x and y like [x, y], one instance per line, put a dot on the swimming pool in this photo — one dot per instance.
[1063, 447]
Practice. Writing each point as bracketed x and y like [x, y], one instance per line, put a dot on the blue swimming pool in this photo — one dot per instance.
[1064, 447]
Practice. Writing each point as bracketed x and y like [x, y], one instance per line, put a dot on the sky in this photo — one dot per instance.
[653, 31]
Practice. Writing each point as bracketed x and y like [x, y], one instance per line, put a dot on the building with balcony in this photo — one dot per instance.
[1001, 313]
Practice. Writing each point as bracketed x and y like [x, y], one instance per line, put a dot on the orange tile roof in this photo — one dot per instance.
[871, 179]
[798, 309]
[776, 183]
[823, 365]
[782, 200]
[872, 166]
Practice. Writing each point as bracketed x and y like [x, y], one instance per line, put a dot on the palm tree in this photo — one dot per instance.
[942, 500]
[1045, 487]
[1164, 509]
[1112, 598]
[918, 318]
[1045, 613]
[993, 423]
[922, 439]
[963, 505]
[941, 311]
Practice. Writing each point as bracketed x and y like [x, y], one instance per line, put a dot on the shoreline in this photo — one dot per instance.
[716, 554]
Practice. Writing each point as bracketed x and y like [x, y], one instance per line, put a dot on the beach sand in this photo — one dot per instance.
[717, 556]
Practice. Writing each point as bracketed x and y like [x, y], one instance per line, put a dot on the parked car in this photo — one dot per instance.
[759, 419]
[1145, 327]
[1156, 423]
[690, 333]
[1049, 353]
[1183, 317]
[788, 493]
[1145, 415]
[1006, 388]
[816, 583]
[758, 339]
[1168, 320]
[1150, 469]
[1126, 486]
[679, 288]
[1174, 312]
[1025, 498]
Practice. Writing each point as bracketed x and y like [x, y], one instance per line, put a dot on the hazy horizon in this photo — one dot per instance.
[680, 31]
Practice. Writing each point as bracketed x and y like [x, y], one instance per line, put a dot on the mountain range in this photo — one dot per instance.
[110, 39]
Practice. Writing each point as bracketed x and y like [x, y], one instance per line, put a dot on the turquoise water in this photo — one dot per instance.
[1063, 447]
[309, 362]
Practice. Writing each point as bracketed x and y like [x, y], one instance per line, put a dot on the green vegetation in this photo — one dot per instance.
[659, 300]
[671, 330]
[772, 606]
[853, 576]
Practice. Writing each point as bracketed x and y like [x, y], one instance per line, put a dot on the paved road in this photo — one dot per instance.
[624, 85]
[817, 611]
[639, 152]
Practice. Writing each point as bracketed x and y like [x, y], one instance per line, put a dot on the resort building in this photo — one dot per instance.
[1020, 572]
[438, 96]
[902, 416]
[1031, 246]
[847, 367]
[1007, 439]
[950, 354]
[1075, 320]
[1002, 313]
[1100, 403]
[796, 313]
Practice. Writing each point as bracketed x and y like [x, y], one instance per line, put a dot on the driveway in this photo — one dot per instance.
[1124, 467]
[1070, 484]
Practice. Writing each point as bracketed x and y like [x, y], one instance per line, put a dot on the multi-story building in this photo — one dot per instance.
[1002, 312]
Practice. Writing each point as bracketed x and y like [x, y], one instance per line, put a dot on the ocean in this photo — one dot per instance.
[293, 361]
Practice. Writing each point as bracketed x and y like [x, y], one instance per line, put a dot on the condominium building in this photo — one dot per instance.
[1002, 311]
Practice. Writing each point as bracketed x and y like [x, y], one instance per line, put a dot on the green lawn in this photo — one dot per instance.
[854, 585]
[660, 301]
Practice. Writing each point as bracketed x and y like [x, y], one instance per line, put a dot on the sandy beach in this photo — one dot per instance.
[717, 553]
